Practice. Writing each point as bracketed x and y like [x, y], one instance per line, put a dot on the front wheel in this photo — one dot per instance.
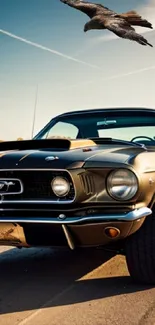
[140, 252]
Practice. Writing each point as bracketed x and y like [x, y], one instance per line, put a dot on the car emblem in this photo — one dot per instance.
[4, 186]
[50, 158]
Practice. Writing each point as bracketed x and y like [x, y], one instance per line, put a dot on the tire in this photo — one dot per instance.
[140, 252]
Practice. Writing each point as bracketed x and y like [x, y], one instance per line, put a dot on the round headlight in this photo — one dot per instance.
[122, 184]
[60, 186]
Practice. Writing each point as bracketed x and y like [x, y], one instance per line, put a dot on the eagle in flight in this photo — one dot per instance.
[103, 18]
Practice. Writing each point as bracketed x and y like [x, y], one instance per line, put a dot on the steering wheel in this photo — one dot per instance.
[143, 136]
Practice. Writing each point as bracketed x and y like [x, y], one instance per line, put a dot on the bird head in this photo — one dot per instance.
[86, 27]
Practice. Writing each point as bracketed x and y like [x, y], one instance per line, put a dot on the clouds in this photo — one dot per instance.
[149, 12]
[113, 77]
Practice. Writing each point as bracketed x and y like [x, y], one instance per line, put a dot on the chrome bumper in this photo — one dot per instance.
[62, 219]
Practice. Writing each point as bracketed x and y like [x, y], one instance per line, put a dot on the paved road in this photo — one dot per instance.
[51, 287]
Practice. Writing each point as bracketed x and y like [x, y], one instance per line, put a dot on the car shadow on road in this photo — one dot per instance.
[34, 278]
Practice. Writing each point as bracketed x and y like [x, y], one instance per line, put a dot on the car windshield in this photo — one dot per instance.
[123, 126]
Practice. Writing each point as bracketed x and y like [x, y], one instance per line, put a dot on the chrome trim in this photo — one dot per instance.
[38, 201]
[57, 201]
[12, 179]
[129, 216]
[34, 169]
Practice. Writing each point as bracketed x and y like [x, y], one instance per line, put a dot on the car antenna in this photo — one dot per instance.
[34, 114]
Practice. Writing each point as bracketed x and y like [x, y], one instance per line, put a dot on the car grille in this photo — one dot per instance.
[37, 185]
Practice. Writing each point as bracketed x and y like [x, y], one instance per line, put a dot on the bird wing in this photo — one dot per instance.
[89, 8]
[123, 29]
[118, 26]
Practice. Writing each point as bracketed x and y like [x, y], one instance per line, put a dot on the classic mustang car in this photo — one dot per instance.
[87, 179]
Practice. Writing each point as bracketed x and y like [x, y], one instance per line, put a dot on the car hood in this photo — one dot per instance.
[62, 154]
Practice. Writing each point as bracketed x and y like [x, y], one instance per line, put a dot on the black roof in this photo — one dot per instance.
[99, 110]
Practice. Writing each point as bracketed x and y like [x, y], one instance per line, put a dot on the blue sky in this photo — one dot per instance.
[108, 72]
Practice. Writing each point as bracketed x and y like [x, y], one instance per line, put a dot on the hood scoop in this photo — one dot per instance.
[56, 144]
